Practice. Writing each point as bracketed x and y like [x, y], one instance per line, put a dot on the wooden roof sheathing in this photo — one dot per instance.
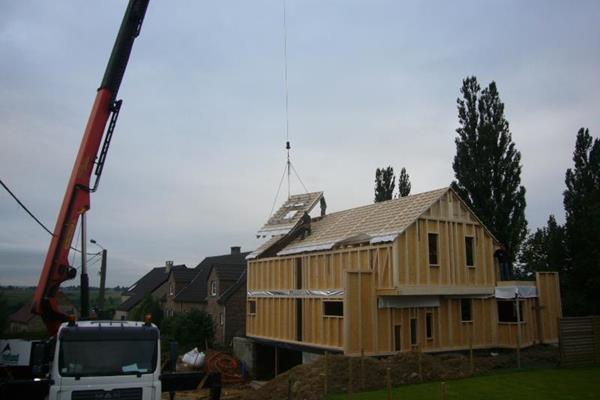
[290, 213]
[379, 222]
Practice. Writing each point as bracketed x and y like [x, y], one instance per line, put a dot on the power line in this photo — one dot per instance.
[14, 196]
[25, 208]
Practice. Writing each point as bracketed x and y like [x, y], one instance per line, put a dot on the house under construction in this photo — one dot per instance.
[420, 271]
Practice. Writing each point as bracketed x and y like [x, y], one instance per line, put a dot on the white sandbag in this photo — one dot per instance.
[194, 358]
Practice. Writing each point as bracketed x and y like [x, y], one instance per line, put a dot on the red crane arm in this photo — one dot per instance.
[77, 196]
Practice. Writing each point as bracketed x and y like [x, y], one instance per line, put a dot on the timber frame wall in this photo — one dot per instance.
[360, 275]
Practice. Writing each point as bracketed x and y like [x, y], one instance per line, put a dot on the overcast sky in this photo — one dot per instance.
[199, 147]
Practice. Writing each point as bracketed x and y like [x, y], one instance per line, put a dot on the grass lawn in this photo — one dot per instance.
[577, 383]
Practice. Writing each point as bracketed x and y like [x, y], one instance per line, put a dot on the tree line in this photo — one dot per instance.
[487, 169]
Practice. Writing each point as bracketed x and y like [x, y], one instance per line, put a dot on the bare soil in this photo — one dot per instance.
[307, 381]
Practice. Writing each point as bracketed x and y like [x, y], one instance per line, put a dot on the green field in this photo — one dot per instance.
[15, 297]
[578, 383]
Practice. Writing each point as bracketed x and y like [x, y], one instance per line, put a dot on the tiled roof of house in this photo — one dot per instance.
[378, 222]
[196, 290]
[147, 284]
[184, 275]
[240, 284]
[229, 272]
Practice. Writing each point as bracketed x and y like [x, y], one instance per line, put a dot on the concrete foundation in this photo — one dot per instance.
[308, 357]
[245, 350]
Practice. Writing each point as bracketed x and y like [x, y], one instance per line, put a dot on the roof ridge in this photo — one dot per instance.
[388, 201]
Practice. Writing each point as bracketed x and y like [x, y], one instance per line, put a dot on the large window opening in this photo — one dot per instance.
[429, 325]
[299, 320]
[413, 331]
[433, 249]
[333, 308]
[470, 251]
[507, 311]
[466, 310]
[298, 273]
[398, 337]
[251, 307]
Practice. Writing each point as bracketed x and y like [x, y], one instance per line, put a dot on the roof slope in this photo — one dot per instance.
[378, 222]
[147, 284]
[196, 291]
[184, 275]
[241, 282]
[229, 272]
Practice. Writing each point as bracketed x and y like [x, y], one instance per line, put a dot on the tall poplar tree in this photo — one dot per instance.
[544, 250]
[582, 207]
[487, 165]
[403, 183]
[385, 182]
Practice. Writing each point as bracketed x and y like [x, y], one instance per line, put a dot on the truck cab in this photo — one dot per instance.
[106, 360]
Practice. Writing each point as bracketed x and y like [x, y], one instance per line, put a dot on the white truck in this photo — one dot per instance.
[106, 360]
[93, 360]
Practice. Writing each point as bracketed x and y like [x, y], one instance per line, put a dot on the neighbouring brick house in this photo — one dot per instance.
[155, 282]
[23, 320]
[193, 296]
[177, 280]
[226, 301]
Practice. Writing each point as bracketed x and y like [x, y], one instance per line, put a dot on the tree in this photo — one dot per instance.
[4, 313]
[582, 207]
[487, 165]
[193, 328]
[545, 249]
[403, 183]
[385, 181]
[149, 305]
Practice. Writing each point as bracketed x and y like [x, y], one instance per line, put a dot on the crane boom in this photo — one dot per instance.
[77, 196]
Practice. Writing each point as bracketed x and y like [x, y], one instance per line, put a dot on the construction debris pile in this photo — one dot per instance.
[351, 373]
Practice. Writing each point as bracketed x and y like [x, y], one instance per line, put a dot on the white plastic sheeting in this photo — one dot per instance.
[510, 292]
[408, 301]
[302, 249]
[383, 238]
[194, 358]
[296, 293]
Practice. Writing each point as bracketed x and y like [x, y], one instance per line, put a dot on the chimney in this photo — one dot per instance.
[168, 266]
[236, 249]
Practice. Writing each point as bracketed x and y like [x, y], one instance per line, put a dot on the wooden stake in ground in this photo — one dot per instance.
[444, 393]
[362, 369]
[471, 364]
[420, 357]
[518, 332]
[326, 376]
[388, 383]
[289, 396]
[349, 377]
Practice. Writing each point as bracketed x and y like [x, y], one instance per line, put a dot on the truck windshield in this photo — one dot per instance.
[107, 357]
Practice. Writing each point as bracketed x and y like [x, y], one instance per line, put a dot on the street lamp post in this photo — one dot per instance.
[100, 303]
